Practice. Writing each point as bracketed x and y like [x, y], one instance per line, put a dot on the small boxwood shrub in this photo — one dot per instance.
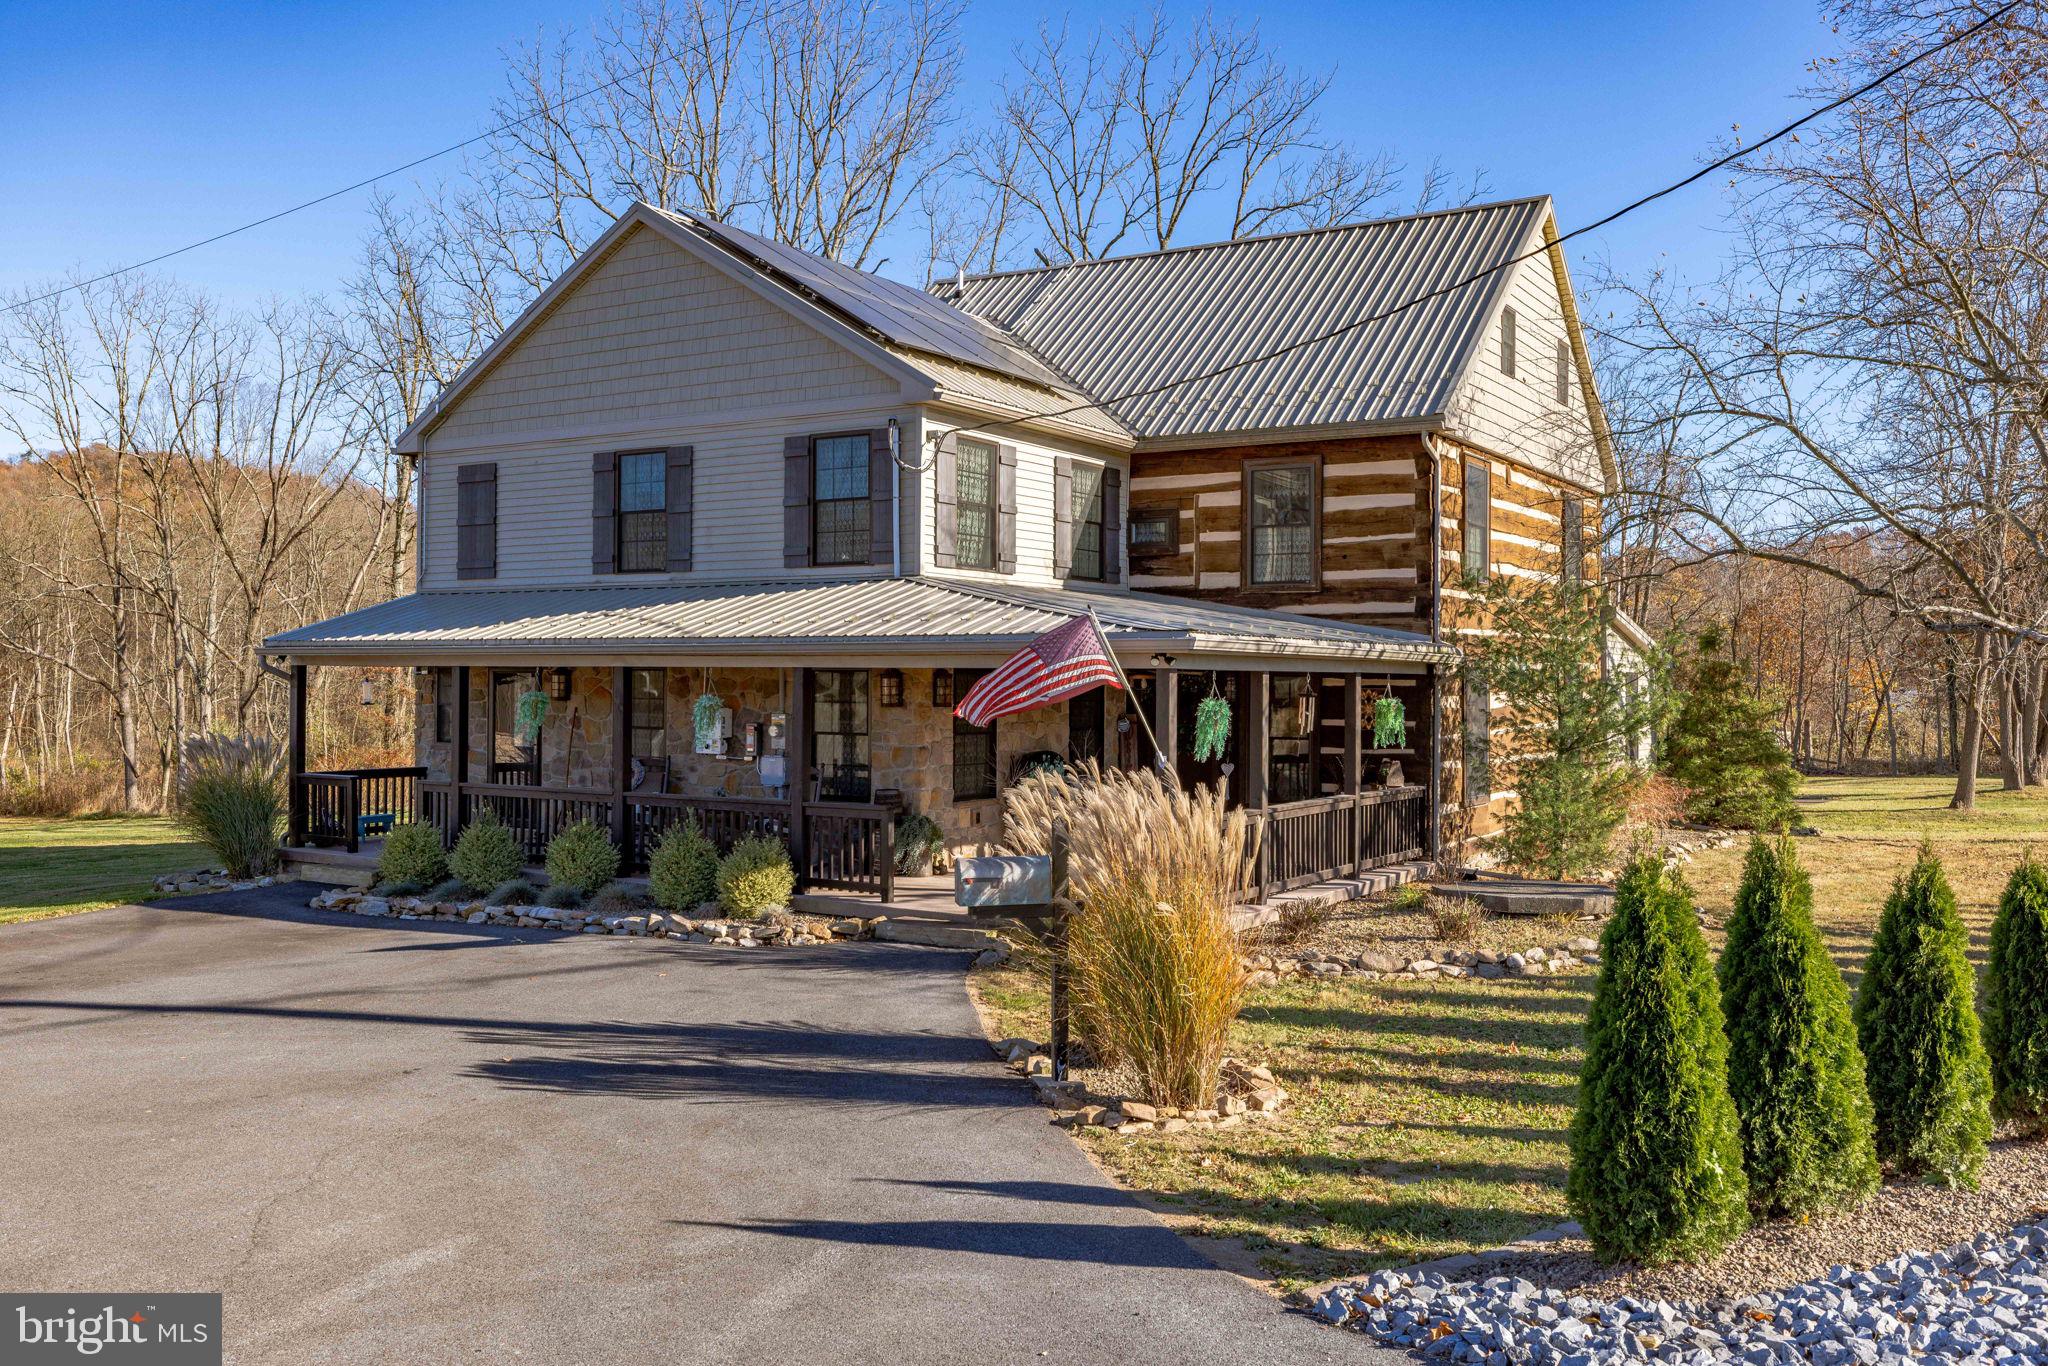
[1915, 1017]
[486, 853]
[1656, 1171]
[683, 870]
[513, 892]
[413, 853]
[1793, 1065]
[2016, 1000]
[582, 856]
[755, 877]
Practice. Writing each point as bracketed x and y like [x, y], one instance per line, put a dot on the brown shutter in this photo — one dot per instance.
[682, 491]
[881, 498]
[796, 501]
[1062, 516]
[476, 521]
[1112, 525]
[946, 505]
[604, 512]
[1006, 509]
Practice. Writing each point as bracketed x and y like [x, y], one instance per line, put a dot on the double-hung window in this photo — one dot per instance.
[974, 747]
[643, 512]
[1280, 506]
[649, 713]
[840, 509]
[1088, 548]
[975, 505]
[1478, 518]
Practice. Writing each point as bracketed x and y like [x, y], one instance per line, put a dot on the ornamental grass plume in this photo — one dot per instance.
[1656, 1171]
[2016, 1000]
[1794, 1069]
[1930, 1081]
[231, 798]
[1155, 976]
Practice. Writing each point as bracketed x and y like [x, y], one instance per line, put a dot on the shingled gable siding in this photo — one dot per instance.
[1375, 528]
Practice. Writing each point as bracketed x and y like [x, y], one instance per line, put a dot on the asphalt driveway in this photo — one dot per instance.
[425, 1143]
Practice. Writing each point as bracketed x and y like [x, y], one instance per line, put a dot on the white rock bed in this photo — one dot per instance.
[1982, 1301]
[1482, 964]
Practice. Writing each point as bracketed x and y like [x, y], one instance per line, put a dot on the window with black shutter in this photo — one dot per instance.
[1088, 546]
[840, 505]
[1478, 518]
[975, 519]
[476, 521]
[643, 512]
[974, 747]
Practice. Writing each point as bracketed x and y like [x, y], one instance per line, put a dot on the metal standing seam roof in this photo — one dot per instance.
[1130, 322]
[843, 616]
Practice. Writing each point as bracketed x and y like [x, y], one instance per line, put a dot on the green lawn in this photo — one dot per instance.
[1432, 1118]
[54, 867]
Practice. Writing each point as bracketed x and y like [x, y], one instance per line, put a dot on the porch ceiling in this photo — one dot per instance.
[874, 620]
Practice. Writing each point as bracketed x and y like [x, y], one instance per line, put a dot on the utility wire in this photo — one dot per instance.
[1217, 372]
[367, 181]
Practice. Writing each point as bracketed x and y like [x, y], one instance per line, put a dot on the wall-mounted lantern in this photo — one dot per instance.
[558, 685]
[891, 681]
[942, 689]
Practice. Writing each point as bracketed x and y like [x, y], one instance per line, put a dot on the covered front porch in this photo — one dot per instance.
[827, 739]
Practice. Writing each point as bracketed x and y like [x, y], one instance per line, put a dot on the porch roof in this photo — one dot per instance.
[899, 621]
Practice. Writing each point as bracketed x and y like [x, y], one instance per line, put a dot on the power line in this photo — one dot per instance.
[1598, 223]
[368, 181]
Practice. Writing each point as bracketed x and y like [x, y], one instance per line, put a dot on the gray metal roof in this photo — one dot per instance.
[1131, 322]
[909, 317]
[848, 616]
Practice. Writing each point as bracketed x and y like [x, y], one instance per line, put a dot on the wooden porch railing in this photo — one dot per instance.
[348, 806]
[725, 820]
[1324, 837]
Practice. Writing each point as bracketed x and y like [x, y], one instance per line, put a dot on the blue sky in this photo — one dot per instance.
[134, 127]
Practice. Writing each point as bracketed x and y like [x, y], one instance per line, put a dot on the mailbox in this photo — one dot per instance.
[997, 883]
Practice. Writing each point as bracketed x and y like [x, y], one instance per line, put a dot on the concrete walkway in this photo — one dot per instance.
[424, 1143]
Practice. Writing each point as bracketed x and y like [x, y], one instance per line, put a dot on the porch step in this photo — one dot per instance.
[330, 867]
[932, 935]
[1369, 883]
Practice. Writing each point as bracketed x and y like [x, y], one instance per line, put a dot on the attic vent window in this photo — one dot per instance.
[1507, 342]
[1564, 371]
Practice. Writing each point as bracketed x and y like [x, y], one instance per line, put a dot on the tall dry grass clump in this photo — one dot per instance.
[1155, 976]
[231, 798]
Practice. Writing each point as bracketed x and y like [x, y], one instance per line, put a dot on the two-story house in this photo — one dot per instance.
[719, 529]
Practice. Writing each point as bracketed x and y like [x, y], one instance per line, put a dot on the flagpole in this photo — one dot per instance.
[1125, 681]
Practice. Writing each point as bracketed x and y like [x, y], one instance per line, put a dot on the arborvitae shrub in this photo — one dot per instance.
[683, 870]
[1722, 746]
[2016, 1000]
[487, 854]
[413, 853]
[1656, 1169]
[1794, 1070]
[755, 877]
[581, 857]
[1930, 1082]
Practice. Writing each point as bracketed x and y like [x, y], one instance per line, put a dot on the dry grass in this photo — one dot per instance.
[1156, 975]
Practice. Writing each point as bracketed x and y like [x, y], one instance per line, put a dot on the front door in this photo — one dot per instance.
[513, 759]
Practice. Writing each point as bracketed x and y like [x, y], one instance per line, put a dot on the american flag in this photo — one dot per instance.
[1062, 662]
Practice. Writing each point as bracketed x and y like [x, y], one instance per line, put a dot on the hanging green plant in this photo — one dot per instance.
[704, 717]
[529, 715]
[1212, 728]
[1389, 723]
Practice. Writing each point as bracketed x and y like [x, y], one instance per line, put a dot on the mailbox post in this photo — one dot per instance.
[1035, 888]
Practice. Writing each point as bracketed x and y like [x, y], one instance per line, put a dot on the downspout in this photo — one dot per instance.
[1436, 635]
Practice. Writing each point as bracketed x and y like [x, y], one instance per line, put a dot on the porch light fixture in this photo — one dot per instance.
[558, 685]
[892, 687]
[942, 689]
[369, 691]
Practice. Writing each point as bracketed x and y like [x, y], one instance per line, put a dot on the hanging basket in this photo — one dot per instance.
[529, 716]
[1212, 728]
[1389, 723]
[704, 718]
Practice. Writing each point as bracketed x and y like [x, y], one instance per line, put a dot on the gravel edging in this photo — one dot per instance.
[1982, 1301]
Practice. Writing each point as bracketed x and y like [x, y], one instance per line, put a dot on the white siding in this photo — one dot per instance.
[1520, 415]
[654, 336]
[1036, 457]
